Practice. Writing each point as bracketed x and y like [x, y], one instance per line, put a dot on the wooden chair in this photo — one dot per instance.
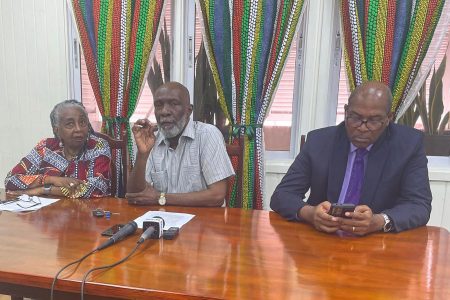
[232, 151]
[302, 141]
[118, 187]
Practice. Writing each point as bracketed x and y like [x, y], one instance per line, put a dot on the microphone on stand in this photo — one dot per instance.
[125, 231]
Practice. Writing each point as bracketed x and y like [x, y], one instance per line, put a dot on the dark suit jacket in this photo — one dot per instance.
[395, 182]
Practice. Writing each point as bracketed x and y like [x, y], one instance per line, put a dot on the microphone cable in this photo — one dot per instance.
[145, 235]
[83, 282]
[128, 229]
[78, 261]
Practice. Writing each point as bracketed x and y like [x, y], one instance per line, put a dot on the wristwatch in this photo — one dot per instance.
[47, 188]
[162, 199]
[387, 223]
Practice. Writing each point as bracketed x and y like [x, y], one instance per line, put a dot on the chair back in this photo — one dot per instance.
[233, 150]
[302, 141]
[437, 145]
[119, 176]
[234, 153]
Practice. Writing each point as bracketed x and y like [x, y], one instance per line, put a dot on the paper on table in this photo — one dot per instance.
[26, 203]
[170, 219]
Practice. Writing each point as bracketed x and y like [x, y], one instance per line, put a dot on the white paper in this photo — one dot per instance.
[26, 203]
[171, 219]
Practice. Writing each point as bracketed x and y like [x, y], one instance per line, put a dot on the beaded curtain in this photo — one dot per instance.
[247, 43]
[117, 38]
[388, 41]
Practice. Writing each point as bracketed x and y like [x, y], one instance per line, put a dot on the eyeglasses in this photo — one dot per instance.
[23, 201]
[28, 202]
[371, 124]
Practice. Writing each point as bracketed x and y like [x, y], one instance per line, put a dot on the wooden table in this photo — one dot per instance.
[221, 253]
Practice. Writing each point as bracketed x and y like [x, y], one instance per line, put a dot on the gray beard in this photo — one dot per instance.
[174, 131]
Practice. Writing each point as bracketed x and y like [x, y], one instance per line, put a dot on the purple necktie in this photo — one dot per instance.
[353, 194]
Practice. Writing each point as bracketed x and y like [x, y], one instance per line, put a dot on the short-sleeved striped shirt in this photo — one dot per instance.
[200, 159]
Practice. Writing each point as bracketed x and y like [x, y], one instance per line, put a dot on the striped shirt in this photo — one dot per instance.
[199, 160]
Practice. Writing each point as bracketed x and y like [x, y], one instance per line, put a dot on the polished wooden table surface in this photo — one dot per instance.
[221, 253]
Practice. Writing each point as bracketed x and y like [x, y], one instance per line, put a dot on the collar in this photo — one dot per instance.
[189, 131]
[353, 147]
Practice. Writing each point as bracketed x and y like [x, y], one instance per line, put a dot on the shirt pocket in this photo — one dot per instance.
[191, 179]
[160, 180]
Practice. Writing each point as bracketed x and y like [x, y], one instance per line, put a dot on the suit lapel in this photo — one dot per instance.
[337, 164]
[374, 168]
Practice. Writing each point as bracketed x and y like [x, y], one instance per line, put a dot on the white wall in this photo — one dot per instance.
[439, 173]
[33, 73]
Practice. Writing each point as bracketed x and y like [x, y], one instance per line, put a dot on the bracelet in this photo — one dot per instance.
[81, 189]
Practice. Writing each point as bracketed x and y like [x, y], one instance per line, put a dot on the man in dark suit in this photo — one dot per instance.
[366, 160]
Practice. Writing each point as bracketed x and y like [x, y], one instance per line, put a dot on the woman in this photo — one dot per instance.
[75, 163]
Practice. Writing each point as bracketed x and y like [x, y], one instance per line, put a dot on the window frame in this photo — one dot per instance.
[315, 69]
[301, 122]
[74, 57]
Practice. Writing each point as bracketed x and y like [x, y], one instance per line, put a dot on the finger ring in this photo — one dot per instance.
[353, 228]
[71, 184]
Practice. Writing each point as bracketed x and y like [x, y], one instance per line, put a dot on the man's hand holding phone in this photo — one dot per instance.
[341, 210]
[329, 218]
[318, 216]
[359, 221]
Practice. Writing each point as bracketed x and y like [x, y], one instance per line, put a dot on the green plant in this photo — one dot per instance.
[155, 77]
[206, 100]
[206, 105]
[432, 119]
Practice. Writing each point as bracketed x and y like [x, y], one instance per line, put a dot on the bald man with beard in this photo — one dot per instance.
[368, 161]
[185, 163]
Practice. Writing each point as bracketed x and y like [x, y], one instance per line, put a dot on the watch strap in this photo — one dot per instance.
[47, 188]
[387, 223]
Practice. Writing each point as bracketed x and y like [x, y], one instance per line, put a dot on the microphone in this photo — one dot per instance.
[153, 228]
[125, 231]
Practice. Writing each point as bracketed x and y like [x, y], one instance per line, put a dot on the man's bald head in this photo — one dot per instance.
[368, 113]
[172, 109]
[374, 90]
[177, 87]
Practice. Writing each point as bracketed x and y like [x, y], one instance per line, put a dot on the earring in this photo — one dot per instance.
[61, 144]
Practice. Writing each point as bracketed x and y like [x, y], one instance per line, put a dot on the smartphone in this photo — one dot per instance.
[171, 233]
[339, 209]
[112, 230]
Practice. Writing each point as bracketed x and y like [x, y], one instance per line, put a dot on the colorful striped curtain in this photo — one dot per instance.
[247, 43]
[117, 37]
[389, 41]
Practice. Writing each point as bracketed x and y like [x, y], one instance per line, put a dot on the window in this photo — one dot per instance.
[344, 91]
[277, 126]
[144, 108]
[302, 101]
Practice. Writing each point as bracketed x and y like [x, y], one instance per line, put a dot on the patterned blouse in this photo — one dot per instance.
[47, 159]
